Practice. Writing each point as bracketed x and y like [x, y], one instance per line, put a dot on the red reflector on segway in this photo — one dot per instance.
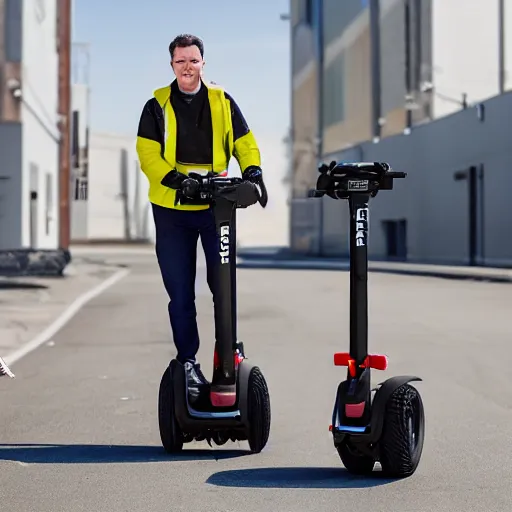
[216, 361]
[375, 361]
[341, 358]
[222, 399]
[354, 410]
[378, 362]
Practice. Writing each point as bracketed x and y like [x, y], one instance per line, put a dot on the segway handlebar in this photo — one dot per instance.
[339, 180]
[236, 190]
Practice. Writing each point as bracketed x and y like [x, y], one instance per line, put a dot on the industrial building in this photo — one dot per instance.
[29, 131]
[423, 85]
[110, 202]
[58, 183]
[34, 94]
[108, 190]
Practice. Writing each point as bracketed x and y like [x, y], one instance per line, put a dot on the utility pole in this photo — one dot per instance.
[290, 136]
[319, 147]
[64, 51]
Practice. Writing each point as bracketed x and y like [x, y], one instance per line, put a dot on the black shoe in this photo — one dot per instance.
[195, 379]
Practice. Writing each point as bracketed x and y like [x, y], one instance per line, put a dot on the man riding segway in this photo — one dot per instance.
[189, 127]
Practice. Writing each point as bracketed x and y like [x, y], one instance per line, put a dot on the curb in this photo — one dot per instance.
[478, 274]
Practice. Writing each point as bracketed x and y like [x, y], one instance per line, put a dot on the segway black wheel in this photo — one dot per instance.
[258, 410]
[170, 432]
[354, 461]
[403, 433]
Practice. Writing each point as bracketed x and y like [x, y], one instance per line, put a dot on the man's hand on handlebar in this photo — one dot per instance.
[244, 192]
[191, 185]
[254, 174]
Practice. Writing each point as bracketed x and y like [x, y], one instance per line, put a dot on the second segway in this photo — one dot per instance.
[387, 426]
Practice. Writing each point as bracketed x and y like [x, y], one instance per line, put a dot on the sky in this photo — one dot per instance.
[247, 51]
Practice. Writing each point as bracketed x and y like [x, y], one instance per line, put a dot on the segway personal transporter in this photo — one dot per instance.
[387, 426]
[236, 404]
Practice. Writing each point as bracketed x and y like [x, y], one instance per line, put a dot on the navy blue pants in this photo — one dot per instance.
[177, 234]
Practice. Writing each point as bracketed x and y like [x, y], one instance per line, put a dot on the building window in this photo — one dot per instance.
[79, 154]
[334, 92]
[12, 30]
[49, 201]
[395, 232]
[34, 205]
[338, 15]
[309, 12]
[305, 11]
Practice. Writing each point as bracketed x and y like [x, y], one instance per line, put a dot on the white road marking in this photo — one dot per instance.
[65, 317]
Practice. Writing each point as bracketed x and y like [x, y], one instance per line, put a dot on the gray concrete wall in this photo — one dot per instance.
[436, 206]
[10, 185]
[79, 220]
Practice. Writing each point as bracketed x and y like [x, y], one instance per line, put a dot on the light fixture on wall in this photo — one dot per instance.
[14, 87]
[480, 112]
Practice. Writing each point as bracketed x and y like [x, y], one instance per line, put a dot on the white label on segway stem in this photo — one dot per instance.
[361, 226]
[357, 185]
[224, 244]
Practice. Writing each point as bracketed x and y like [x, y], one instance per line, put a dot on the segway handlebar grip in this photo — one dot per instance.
[263, 195]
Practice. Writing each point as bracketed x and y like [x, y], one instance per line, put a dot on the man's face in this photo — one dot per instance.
[187, 65]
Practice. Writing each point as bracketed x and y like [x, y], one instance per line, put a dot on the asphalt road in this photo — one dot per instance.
[79, 428]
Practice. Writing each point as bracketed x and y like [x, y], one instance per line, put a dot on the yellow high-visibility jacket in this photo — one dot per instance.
[157, 135]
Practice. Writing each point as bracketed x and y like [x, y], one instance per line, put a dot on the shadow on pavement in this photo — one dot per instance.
[19, 285]
[104, 454]
[296, 478]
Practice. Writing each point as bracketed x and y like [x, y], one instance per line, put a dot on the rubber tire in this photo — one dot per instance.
[170, 432]
[355, 462]
[399, 457]
[258, 410]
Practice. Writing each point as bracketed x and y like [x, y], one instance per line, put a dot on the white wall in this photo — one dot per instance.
[39, 118]
[105, 212]
[106, 216]
[270, 226]
[464, 51]
[508, 44]
[80, 99]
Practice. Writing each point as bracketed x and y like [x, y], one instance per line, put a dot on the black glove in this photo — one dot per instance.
[191, 185]
[173, 179]
[253, 173]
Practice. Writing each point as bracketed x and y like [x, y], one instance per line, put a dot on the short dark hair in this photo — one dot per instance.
[184, 40]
